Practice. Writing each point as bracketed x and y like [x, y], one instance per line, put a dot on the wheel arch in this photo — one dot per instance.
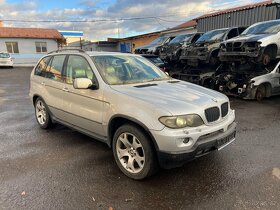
[268, 88]
[118, 120]
[271, 48]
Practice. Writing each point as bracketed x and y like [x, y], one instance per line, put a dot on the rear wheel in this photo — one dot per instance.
[134, 153]
[42, 115]
[260, 94]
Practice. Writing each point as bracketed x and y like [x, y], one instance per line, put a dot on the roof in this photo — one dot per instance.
[37, 33]
[188, 24]
[134, 37]
[245, 7]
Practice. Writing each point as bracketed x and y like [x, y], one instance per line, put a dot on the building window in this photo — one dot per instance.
[12, 47]
[41, 47]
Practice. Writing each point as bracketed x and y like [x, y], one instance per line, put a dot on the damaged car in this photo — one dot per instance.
[206, 49]
[171, 51]
[248, 81]
[154, 46]
[258, 44]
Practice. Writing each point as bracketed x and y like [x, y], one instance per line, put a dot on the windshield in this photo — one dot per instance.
[181, 38]
[155, 59]
[159, 40]
[125, 69]
[212, 35]
[4, 55]
[263, 28]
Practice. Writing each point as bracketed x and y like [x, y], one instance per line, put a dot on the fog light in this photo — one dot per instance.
[186, 140]
[240, 90]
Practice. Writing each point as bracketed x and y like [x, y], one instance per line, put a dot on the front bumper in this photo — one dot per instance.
[184, 144]
[239, 56]
[203, 146]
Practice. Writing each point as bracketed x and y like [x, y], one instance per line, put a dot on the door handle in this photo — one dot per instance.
[43, 83]
[65, 89]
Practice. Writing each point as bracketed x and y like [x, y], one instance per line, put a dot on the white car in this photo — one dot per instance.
[6, 60]
[258, 44]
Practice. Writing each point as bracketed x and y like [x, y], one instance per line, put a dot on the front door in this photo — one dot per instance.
[83, 107]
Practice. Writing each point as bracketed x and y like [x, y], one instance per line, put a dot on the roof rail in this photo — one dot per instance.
[67, 49]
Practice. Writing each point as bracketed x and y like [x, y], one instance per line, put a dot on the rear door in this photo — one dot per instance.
[83, 107]
[54, 85]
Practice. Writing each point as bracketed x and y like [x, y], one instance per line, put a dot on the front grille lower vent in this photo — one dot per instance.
[212, 114]
[224, 109]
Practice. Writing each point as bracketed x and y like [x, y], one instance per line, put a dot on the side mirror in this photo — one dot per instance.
[82, 83]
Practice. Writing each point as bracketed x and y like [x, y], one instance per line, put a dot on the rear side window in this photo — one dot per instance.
[56, 67]
[41, 69]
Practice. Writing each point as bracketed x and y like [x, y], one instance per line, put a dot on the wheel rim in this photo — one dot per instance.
[130, 152]
[41, 113]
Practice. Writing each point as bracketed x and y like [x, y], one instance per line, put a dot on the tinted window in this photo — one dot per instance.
[181, 38]
[42, 67]
[56, 67]
[78, 67]
[232, 33]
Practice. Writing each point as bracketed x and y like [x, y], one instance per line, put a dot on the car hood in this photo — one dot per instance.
[249, 37]
[176, 97]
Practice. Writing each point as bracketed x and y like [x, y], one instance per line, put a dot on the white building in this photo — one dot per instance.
[27, 45]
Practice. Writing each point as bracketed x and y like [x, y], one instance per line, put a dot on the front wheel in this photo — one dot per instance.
[134, 153]
[260, 94]
[42, 115]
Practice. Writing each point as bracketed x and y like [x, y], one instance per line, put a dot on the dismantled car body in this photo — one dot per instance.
[155, 59]
[171, 51]
[154, 46]
[248, 81]
[206, 49]
[259, 44]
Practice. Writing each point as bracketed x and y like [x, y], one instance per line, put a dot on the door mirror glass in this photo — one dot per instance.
[82, 83]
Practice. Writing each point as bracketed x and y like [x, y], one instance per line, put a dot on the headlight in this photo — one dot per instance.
[191, 120]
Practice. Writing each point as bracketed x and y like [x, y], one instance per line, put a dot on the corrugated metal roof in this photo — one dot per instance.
[248, 6]
[188, 24]
[38, 33]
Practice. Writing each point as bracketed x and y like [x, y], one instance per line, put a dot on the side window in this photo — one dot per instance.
[78, 67]
[232, 33]
[41, 68]
[241, 29]
[196, 37]
[56, 67]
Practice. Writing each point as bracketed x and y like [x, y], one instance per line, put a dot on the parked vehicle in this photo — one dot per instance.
[6, 60]
[172, 50]
[155, 59]
[154, 46]
[249, 81]
[206, 49]
[145, 116]
[259, 44]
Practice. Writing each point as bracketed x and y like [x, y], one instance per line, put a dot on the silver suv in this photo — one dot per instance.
[146, 117]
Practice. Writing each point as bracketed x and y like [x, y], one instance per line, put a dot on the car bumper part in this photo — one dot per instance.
[177, 146]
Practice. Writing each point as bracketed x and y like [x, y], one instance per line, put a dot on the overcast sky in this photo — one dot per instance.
[167, 13]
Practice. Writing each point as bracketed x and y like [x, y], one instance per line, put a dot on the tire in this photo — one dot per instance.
[134, 153]
[266, 59]
[260, 93]
[42, 114]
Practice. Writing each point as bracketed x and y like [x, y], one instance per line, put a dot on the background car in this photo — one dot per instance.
[155, 59]
[6, 60]
[154, 46]
[258, 44]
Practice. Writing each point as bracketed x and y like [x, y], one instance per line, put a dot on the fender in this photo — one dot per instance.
[110, 137]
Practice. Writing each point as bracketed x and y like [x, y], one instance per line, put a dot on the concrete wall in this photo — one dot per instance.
[27, 51]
